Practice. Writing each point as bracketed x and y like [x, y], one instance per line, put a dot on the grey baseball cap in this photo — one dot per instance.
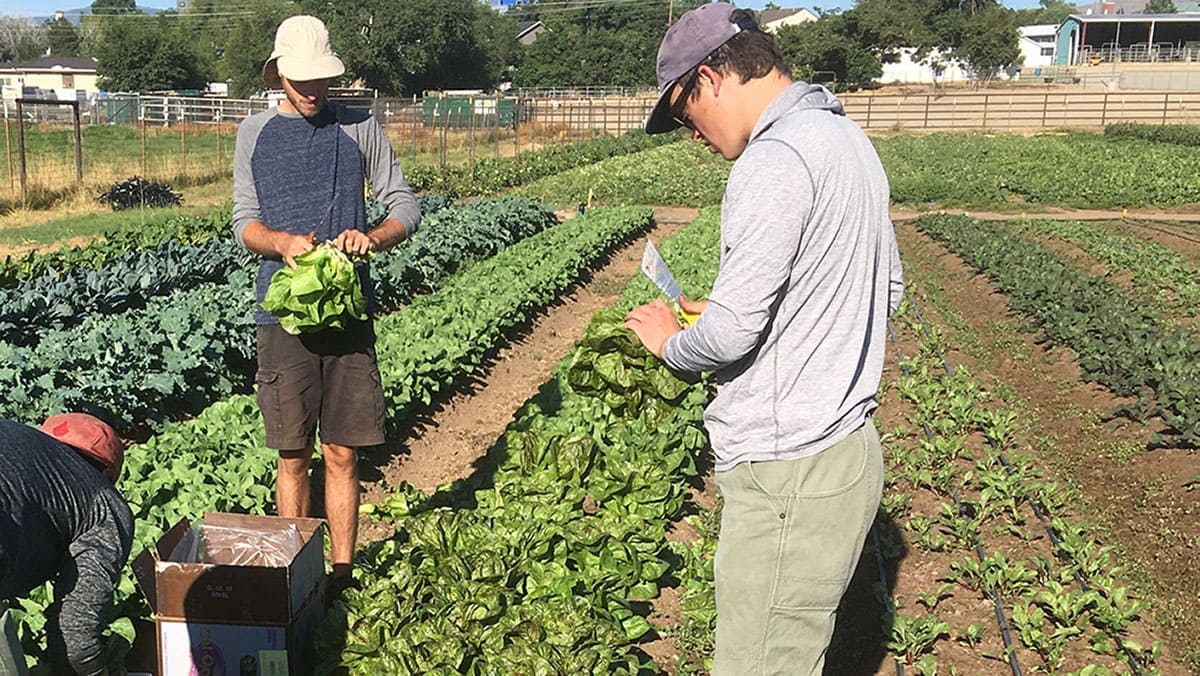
[689, 41]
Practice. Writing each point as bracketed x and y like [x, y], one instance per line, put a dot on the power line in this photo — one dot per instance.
[577, 5]
[575, 9]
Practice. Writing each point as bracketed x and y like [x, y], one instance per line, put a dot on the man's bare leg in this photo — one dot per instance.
[341, 503]
[292, 489]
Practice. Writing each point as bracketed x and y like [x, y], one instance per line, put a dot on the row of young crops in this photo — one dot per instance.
[487, 177]
[1119, 342]
[1016, 579]
[548, 560]
[177, 353]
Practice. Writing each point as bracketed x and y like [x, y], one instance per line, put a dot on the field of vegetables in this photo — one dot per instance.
[1040, 412]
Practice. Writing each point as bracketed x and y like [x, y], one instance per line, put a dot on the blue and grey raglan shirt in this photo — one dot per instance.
[301, 175]
[61, 520]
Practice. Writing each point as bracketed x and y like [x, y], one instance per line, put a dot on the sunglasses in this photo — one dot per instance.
[689, 85]
[679, 107]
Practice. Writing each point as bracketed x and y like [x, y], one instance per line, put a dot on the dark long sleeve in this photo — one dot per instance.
[61, 520]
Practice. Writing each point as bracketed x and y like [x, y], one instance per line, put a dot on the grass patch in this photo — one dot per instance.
[90, 225]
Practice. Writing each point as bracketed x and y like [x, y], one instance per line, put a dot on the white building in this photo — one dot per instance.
[772, 20]
[906, 70]
[67, 78]
[1037, 45]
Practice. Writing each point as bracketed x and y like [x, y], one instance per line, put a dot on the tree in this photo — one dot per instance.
[250, 43]
[610, 44]
[988, 42]
[1050, 12]
[21, 39]
[979, 34]
[498, 34]
[891, 25]
[113, 7]
[140, 53]
[413, 46]
[91, 25]
[62, 37]
[1159, 7]
[823, 51]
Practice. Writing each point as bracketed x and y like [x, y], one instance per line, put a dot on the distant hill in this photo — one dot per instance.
[73, 15]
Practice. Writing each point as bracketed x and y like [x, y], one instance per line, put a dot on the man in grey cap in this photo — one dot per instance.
[793, 332]
[298, 178]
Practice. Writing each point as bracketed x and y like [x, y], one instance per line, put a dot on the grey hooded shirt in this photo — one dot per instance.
[809, 273]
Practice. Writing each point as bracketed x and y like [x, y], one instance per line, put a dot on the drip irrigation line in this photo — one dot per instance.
[1005, 635]
[1029, 499]
[887, 595]
[1155, 226]
[1130, 658]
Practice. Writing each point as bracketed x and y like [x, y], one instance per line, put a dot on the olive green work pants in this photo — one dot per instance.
[791, 535]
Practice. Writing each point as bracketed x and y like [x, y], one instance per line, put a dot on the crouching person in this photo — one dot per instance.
[61, 519]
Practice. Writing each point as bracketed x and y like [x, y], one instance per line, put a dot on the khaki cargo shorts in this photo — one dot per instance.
[328, 380]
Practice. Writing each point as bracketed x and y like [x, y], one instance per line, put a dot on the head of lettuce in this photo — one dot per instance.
[321, 292]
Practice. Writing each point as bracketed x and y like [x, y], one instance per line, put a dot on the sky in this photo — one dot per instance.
[48, 7]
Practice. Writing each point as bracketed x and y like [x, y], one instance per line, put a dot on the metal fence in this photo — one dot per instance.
[1141, 52]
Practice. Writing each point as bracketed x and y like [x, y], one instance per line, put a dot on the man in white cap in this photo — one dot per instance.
[61, 519]
[793, 332]
[298, 178]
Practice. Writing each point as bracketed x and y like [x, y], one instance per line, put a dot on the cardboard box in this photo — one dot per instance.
[232, 618]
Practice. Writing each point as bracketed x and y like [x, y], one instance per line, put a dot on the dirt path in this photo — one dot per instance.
[448, 444]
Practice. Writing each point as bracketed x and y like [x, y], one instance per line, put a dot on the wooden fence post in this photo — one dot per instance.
[78, 147]
[21, 146]
[143, 146]
[8, 151]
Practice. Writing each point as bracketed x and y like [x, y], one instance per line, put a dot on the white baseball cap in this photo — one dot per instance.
[302, 52]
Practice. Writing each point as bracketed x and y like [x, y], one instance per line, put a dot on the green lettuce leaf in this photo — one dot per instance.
[321, 292]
